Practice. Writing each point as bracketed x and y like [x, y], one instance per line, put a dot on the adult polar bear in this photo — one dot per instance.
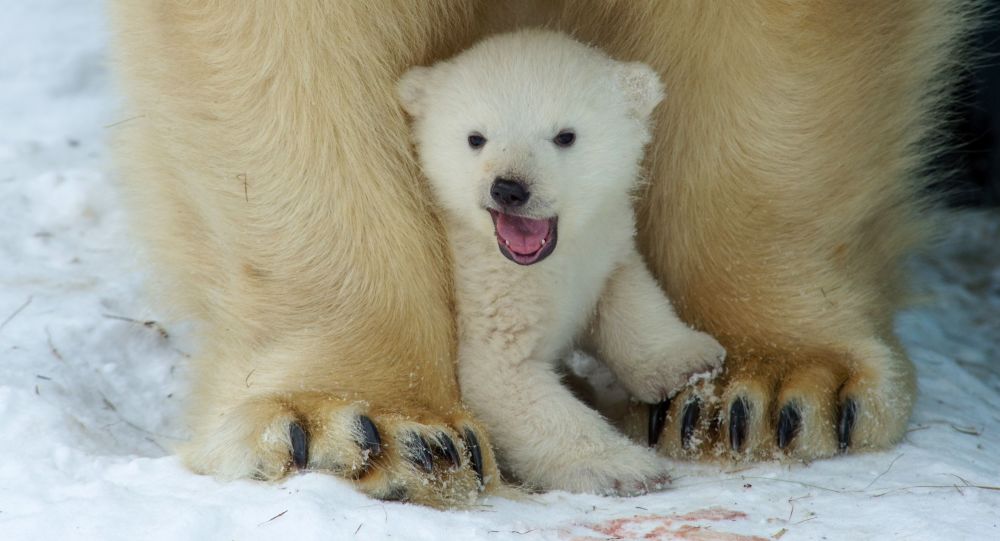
[269, 169]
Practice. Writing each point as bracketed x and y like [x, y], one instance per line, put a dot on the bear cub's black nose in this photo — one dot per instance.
[509, 193]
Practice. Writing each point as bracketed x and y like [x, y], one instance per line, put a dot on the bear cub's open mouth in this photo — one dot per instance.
[524, 241]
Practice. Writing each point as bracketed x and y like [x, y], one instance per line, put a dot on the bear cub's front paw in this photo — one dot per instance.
[691, 355]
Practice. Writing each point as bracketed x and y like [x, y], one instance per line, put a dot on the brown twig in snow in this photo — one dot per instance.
[52, 347]
[885, 472]
[272, 518]
[16, 312]
[149, 324]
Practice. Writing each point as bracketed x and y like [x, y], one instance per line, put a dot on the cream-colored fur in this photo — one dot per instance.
[269, 171]
[275, 189]
[515, 321]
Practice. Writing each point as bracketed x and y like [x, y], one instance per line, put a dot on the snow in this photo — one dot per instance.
[89, 401]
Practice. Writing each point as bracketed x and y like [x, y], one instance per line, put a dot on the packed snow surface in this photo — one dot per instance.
[90, 392]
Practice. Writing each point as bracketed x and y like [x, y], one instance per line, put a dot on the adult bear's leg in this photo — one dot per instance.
[784, 191]
[269, 169]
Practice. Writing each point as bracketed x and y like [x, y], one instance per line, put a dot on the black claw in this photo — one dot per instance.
[689, 421]
[368, 436]
[300, 445]
[848, 413]
[475, 453]
[738, 423]
[657, 416]
[419, 452]
[445, 448]
[789, 421]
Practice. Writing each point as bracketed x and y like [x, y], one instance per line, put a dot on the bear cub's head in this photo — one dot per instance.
[530, 133]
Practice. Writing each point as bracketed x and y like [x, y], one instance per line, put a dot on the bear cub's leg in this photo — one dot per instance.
[545, 435]
[636, 332]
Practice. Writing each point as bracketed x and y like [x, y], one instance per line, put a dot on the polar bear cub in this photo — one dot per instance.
[532, 144]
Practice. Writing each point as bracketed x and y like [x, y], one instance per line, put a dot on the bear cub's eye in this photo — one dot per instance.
[476, 140]
[565, 138]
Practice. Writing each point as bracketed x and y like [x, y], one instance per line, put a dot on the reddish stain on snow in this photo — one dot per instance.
[667, 527]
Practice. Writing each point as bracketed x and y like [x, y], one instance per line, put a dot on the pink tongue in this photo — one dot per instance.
[523, 235]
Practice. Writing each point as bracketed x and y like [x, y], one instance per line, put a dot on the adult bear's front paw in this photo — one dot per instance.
[801, 406]
[413, 456]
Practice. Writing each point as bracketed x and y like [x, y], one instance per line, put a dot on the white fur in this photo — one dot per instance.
[515, 322]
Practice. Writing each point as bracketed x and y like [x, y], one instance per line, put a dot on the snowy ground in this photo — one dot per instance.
[89, 400]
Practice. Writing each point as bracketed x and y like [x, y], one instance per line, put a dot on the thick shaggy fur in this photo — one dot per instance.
[270, 173]
[518, 91]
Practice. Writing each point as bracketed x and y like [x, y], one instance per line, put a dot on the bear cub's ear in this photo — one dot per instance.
[412, 89]
[641, 86]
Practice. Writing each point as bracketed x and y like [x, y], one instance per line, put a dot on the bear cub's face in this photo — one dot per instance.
[531, 134]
